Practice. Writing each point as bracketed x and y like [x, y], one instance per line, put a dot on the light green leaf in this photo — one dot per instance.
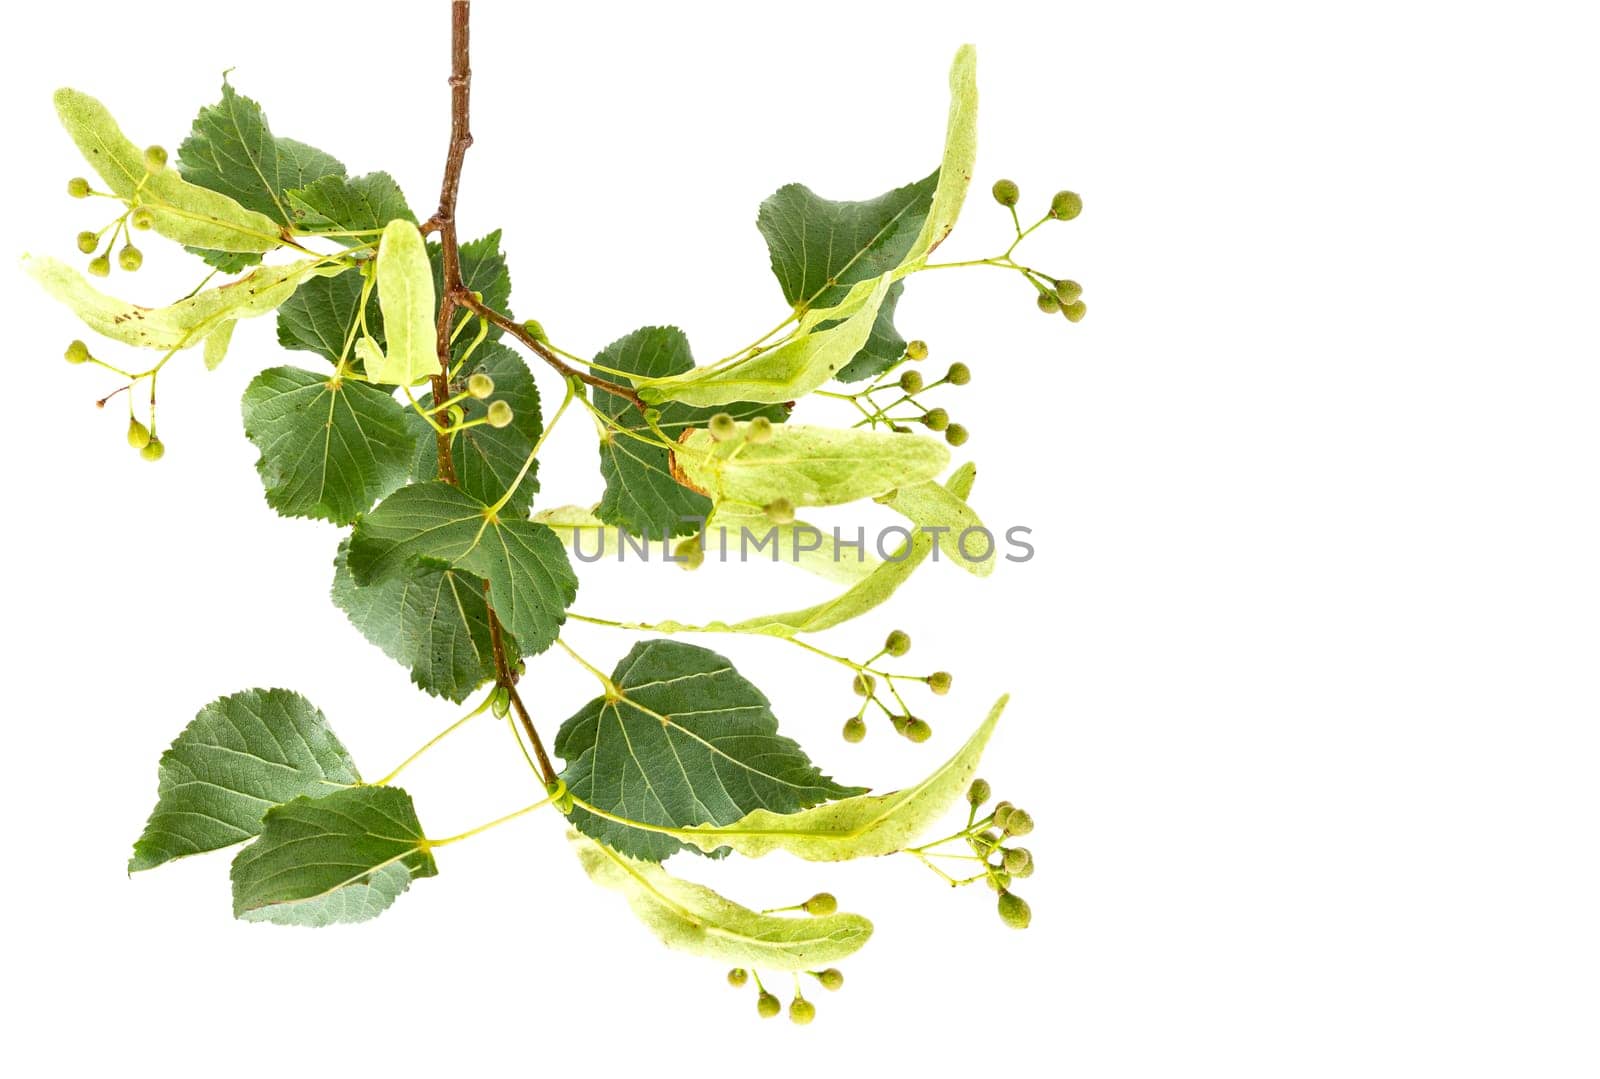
[641, 494]
[217, 342]
[337, 858]
[231, 150]
[330, 446]
[683, 739]
[823, 344]
[182, 324]
[531, 583]
[743, 528]
[430, 618]
[241, 755]
[487, 458]
[692, 918]
[571, 522]
[959, 529]
[350, 204]
[185, 212]
[406, 297]
[809, 466]
[862, 827]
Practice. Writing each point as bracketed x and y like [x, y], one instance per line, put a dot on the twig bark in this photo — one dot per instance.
[455, 295]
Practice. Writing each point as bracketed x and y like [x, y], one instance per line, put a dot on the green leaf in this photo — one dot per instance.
[430, 618]
[641, 495]
[800, 544]
[182, 324]
[531, 583]
[809, 466]
[351, 204]
[321, 314]
[241, 755]
[692, 918]
[330, 446]
[406, 296]
[837, 262]
[934, 506]
[862, 827]
[820, 248]
[182, 211]
[343, 857]
[683, 739]
[217, 342]
[231, 150]
[487, 459]
[884, 346]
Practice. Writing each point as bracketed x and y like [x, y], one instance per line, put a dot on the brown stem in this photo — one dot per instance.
[454, 294]
[542, 350]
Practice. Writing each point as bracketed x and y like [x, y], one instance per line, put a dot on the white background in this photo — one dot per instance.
[1303, 673]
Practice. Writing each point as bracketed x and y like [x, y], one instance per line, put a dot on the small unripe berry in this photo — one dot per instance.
[1048, 303]
[142, 219]
[916, 350]
[738, 976]
[100, 267]
[689, 554]
[955, 434]
[1002, 810]
[77, 352]
[1014, 911]
[801, 1011]
[521, 667]
[723, 427]
[1066, 205]
[153, 450]
[87, 242]
[1018, 860]
[780, 511]
[936, 419]
[863, 684]
[480, 385]
[535, 330]
[939, 682]
[1067, 291]
[819, 904]
[855, 729]
[138, 434]
[911, 381]
[759, 430]
[130, 258]
[1018, 822]
[898, 643]
[1075, 311]
[155, 158]
[958, 375]
[1005, 192]
[768, 1005]
[999, 880]
[917, 730]
[78, 187]
[831, 979]
[979, 792]
[499, 414]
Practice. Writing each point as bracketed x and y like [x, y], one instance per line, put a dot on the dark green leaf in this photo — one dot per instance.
[487, 459]
[329, 447]
[430, 618]
[240, 756]
[319, 316]
[483, 270]
[641, 495]
[350, 204]
[232, 150]
[686, 740]
[820, 247]
[531, 583]
[343, 857]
